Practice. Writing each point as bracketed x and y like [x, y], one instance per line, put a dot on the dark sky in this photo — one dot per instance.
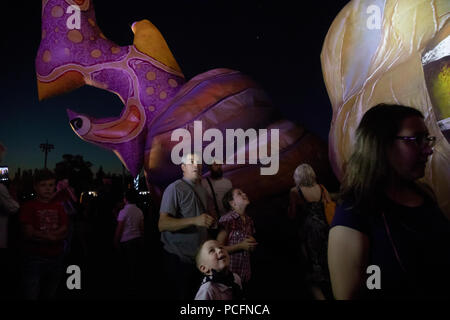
[277, 43]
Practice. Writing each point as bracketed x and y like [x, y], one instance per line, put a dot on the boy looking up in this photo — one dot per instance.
[219, 282]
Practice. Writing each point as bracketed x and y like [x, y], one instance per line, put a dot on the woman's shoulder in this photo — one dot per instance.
[348, 216]
[296, 195]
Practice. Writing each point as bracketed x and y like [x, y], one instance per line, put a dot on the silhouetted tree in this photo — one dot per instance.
[77, 170]
[100, 174]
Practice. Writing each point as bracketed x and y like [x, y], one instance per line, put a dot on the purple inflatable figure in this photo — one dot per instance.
[157, 99]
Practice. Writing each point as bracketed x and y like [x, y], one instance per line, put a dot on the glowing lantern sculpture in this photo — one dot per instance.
[391, 51]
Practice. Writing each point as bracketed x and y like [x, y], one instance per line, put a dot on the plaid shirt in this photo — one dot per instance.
[238, 231]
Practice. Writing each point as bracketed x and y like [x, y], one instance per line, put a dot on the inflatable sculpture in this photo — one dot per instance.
[391, 51]
[158, 100]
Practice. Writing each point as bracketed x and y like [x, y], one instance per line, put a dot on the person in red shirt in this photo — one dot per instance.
[44, 224]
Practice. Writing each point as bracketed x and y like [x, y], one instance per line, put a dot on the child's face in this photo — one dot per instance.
[213, 257]
[239, 199]
[45, 189]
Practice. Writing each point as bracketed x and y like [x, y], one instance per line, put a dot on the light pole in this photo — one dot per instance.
[46, 148]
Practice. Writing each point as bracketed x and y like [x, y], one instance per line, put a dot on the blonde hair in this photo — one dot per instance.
[198, 254]
[304, 175]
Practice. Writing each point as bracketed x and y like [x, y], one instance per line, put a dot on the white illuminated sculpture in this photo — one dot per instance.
[395, 52]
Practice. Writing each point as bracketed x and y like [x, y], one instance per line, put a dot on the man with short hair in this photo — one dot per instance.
[183, 224]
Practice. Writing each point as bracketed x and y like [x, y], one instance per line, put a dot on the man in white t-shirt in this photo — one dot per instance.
[216, 186]
[129, 237]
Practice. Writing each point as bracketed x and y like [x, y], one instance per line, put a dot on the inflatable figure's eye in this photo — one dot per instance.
[436, 68]
[81, 125]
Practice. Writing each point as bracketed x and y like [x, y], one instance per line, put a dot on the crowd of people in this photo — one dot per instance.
[55, 227]
[202, 241]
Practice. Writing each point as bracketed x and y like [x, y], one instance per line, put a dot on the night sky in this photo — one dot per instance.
[277, 43]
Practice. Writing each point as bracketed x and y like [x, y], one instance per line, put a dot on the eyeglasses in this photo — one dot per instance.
[421, 141]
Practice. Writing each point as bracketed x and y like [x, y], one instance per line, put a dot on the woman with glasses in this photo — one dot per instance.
[388, 238]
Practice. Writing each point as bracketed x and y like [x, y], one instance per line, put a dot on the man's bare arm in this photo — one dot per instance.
[169, 223]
